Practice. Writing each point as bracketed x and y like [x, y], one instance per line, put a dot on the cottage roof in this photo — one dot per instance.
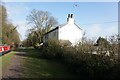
[51, 30]
[69, 20]
[60, 26]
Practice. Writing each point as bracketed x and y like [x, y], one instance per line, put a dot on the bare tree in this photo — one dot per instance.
[42, 22]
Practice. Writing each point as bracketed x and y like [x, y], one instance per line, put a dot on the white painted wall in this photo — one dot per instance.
[51, 35]
[70, 32]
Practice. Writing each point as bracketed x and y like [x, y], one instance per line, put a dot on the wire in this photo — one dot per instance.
[75, 5]
[101, 23]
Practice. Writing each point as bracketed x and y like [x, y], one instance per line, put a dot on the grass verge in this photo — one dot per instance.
[6, 60]
[37, 67]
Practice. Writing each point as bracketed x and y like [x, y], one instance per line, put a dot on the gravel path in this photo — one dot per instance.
[15, 68]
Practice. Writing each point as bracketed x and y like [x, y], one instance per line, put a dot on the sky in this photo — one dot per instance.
[95, 18]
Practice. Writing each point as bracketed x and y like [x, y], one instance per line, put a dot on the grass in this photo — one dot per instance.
[37, 67]
[6, 60]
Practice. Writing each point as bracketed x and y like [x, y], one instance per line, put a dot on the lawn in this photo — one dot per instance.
[37, 67]
[5, 60]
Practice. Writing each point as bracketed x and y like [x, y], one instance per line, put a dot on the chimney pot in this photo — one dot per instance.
[68, 15]
[71, 15]
[70, 18]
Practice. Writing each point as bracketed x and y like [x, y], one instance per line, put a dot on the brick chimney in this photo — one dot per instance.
[70, 19]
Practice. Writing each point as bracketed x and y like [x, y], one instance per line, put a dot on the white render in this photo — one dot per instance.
[70, 31]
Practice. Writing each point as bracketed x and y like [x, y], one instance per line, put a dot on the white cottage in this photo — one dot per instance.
[69, 31]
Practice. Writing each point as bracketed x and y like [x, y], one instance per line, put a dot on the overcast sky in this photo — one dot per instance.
[96, 18]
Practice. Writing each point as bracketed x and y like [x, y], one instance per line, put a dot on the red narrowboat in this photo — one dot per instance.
[4, 49]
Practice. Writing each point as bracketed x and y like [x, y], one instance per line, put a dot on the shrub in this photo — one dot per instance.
[81, 61]
[52, 50]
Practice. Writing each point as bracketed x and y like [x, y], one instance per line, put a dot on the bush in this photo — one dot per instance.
[81, 61]
[52, 50]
